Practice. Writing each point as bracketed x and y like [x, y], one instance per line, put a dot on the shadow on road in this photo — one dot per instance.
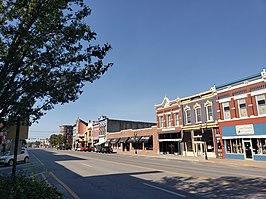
[133, 185]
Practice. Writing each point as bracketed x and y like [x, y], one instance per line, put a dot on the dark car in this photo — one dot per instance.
[61, 148]
[106, 149]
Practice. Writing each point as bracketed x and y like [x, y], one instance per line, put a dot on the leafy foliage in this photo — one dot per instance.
[46, 56]
[24, 187]
[55, 140]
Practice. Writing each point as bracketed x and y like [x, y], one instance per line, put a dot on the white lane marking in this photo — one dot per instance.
[165, 190]
[87, 165]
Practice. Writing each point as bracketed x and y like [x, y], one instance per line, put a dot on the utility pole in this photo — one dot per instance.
[16, 148]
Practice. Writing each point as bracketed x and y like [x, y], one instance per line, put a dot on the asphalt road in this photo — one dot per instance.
[92, 175]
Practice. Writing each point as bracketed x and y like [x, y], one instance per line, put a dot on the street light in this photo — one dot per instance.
[135, 138]
[205, 139]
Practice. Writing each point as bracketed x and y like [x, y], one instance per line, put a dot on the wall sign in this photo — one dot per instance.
[244, 129]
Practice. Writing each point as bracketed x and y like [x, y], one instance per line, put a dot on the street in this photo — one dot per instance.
[88, 174]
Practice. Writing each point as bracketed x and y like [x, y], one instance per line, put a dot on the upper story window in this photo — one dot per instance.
[226, 110]
[168, 120]
[176, 119]
[261, 104]
[242, 108]
[209, 111]
[161, 121]
[198, 113]
[188, 115]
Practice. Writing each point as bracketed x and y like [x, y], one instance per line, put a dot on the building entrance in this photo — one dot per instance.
[199, 148]
[248, 149]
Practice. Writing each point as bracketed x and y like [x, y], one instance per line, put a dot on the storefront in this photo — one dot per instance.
[199, 143]
[169, 143]
[246, 141]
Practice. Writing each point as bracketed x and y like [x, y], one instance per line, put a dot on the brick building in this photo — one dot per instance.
[242, 117]
[169, 123]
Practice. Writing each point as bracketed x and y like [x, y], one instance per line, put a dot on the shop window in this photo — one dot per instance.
[261, 104]
[189, 146]
[234, 146]
[259, 146]
[226, 110]
[242, 108]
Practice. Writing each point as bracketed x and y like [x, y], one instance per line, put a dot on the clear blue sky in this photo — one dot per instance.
[175, 48]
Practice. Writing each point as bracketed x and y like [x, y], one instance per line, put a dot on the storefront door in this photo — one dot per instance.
[199, 148]
[248, 149]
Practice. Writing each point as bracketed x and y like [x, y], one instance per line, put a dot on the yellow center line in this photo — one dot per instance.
[70, 191]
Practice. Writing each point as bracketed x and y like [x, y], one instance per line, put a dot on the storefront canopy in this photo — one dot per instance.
[99, 143]
[134, 139]
[114, 140]
[186, 137]
[145, 139]
[123, 140]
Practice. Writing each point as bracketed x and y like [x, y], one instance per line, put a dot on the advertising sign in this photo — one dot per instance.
[244, 129]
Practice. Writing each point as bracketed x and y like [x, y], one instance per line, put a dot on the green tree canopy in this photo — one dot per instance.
[53, 140]
[47, 53]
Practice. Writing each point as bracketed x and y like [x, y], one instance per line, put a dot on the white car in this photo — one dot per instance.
[8, 157]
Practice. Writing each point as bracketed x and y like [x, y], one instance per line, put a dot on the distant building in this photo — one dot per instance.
[80, 131]
[67, 132]
[109, 126]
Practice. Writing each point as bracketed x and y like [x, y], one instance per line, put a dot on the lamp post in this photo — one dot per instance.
[135, 138]
[205, 139]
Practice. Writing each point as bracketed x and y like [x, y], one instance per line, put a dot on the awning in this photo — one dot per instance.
[114, 140]
[99, 143]
[134, 139]
[123, 140]
[186, 137]
[145, 139]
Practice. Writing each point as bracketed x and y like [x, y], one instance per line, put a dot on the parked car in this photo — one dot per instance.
[107, 149]
[61, 148]
[88, 149]
[7, 157]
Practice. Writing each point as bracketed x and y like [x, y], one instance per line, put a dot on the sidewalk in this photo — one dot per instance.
[242, 163]
[245, 163]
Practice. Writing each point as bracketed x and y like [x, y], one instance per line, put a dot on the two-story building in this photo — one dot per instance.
[169, 123]
[200, 132]
[242, 117]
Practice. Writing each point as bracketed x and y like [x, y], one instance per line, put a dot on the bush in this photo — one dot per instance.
[23, 187]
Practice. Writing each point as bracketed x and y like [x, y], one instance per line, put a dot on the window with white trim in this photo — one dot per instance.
[176, 119]
[209, 113]
[226, 110]
[198, 114]
[242, 108]
[161, 121]
[261, 104]
[168, 120]
[188, 115]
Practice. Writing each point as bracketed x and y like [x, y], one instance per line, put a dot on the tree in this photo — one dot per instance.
[47, 54]
[37, 143]
[53, 140]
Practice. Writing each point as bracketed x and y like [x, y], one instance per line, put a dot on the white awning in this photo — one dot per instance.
[99, 143]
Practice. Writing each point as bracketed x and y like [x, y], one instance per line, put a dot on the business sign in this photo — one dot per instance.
[244, 129]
